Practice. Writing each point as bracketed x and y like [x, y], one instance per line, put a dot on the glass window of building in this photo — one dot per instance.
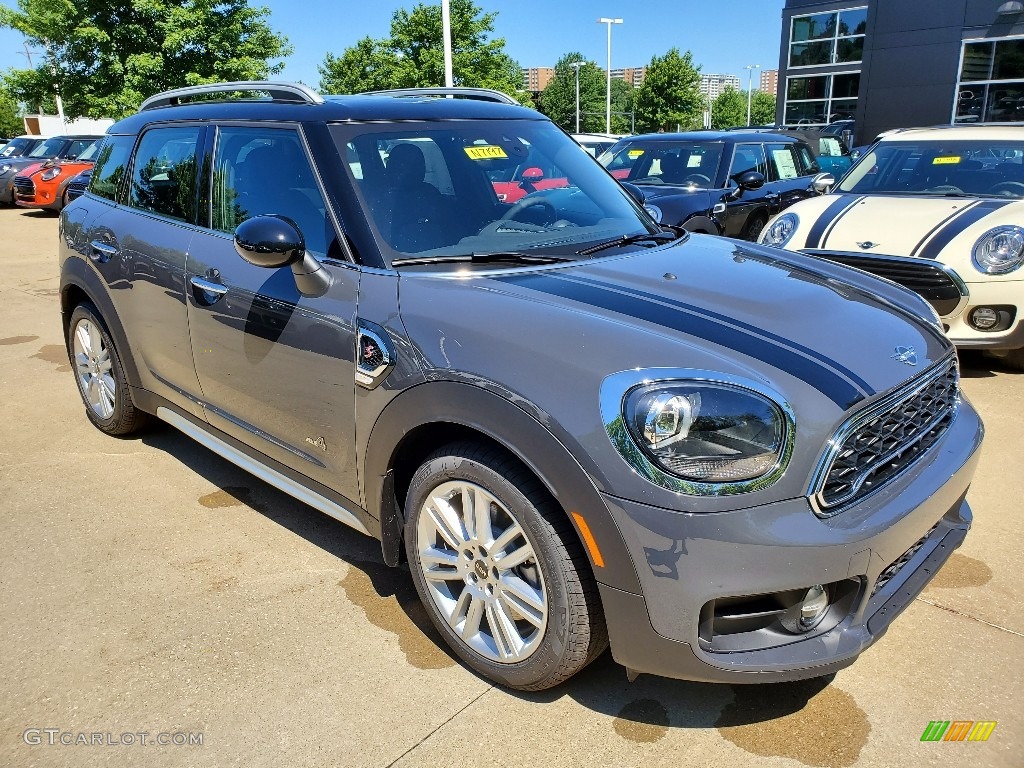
[991, 84]
[828, 38]
[820, 99]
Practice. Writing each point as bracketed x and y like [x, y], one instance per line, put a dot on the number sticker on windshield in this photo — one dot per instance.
[635, 153]
[487, 152]
[948, 160]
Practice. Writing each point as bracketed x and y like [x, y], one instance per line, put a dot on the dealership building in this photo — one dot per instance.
[901, 63]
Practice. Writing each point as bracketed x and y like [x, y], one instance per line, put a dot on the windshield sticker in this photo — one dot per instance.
[486, 152]
[693, 161]
[635, 153]
[948, 160]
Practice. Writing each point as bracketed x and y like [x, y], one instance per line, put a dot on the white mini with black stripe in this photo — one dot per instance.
[939, 211]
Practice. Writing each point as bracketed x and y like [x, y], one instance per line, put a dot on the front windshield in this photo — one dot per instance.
[89, 154]
[683, 163]
[15, 145]
[974, 168]
[48, 148]
[459, 188]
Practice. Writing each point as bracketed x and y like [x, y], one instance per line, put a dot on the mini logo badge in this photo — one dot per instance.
[866, 244]
[905, 355]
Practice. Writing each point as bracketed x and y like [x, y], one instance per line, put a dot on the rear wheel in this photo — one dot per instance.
[500, 570]
[100, 377]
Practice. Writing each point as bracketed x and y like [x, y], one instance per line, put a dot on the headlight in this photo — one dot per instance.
[654, 211]
[779, 232]
[999, 250]
[50, 173]
[706, 433]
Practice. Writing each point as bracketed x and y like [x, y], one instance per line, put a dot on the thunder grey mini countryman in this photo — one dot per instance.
[578, 428]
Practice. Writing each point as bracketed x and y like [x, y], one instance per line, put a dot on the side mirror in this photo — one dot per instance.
[272, 242]
[533, 174]
[823, 182]
[750, 180]
[635, 192]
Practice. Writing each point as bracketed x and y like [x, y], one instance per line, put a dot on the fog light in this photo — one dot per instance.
[984, 318]
[813, 608]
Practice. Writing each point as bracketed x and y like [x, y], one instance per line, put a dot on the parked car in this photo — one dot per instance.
[938, 210]
[580, 428]
[717, 182]
[56, 148]
[21, 145]
[842, 130]
[595, 143]
[45, 185]
[831, 153]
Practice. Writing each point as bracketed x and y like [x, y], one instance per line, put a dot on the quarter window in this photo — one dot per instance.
[265, 171]
[164, 173]
[111, 162]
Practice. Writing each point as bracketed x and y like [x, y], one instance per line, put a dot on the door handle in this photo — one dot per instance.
[772, 196]
[102, 252]
[211, 291]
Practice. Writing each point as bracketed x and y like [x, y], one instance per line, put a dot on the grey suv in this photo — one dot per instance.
[730, 462]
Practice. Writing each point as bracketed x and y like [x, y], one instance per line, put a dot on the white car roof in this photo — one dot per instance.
[960, 132]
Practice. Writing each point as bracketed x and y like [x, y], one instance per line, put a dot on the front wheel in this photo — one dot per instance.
[754, 226]
[500, 570]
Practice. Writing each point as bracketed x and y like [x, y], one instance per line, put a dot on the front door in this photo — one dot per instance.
[747, 209]
[276, 368]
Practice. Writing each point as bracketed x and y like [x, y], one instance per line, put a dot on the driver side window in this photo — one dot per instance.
[748, 157]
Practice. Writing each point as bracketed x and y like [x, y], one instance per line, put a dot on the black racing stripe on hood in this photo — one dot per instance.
[751, 329]
[611, 298]
[940, 225]
[958, 224]
[834, 210]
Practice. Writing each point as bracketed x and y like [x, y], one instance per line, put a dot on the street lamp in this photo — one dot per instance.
[750, 79]
[608, 108]
[576, 65]
[446, 40]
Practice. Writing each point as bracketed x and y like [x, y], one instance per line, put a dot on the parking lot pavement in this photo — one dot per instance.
[149, 587]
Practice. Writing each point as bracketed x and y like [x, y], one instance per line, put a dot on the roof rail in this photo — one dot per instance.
[294, 92]
[482, 94]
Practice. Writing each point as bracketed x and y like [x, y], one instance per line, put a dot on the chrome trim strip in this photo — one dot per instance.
[857, 420]
[615, 389]
[262, 471]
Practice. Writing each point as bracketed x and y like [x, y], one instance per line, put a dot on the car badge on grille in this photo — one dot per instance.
[906, 355]
[866, 244]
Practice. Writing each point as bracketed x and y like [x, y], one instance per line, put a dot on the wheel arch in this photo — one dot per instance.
[430, 415]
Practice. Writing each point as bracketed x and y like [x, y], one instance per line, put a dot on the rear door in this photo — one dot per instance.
[792, 167]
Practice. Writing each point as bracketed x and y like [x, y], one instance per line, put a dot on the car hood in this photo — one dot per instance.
[898, 225]
[811, 329]
[19, 163]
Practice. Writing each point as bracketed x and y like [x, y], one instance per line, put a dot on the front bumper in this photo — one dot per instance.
[687, 562]
[993, 293]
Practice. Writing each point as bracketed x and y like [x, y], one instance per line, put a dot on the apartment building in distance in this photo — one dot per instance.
[713, 85]
[634, 75]
[536, 79]
[770, 81]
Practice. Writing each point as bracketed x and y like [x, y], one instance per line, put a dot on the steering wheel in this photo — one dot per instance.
[946, 189]
[1008, 189]
[697, 178]
[528, 202]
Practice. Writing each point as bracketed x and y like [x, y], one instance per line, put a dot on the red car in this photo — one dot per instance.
[44, 185]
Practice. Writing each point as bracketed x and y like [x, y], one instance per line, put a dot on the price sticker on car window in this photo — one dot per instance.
[634, 153]
[485, 152]
[946, 160]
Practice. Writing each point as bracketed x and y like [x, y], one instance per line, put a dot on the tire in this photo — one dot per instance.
[99, 375]
[754, 226]
[513, 594]
[1014, 360]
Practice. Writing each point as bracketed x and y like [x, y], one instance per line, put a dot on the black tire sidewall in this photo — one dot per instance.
[118, 421]
[546, 661]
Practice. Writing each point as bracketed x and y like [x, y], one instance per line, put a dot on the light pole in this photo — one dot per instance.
[608, 101]
[750, 80]
[446, 38]
[576, 65]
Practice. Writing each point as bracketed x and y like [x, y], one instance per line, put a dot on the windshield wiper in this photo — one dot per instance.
[483, 258]
[656, 237]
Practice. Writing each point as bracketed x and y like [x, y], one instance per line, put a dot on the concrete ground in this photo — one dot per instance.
[149, 587]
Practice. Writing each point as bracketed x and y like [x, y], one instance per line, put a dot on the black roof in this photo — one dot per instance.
[334, 109]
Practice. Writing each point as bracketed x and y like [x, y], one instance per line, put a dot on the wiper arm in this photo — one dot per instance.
[656, 237]
[483, 258]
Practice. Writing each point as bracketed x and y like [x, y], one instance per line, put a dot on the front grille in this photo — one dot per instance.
[890, 573]
[76, 190]
[879, 443]
[934, 282]
[24, 189]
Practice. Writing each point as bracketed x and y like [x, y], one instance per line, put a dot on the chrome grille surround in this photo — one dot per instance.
[24, 188]
[877, 444]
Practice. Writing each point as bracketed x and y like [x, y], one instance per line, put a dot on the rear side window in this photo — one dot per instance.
[164, 173]
[111, 162]
[785, 164]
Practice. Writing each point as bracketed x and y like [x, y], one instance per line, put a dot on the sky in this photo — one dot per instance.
[723, 36]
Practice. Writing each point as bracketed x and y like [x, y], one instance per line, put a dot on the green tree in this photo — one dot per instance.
[729, 109]
[670, 95]
[413, 56]
[558, 99]
[762, 108]
[10, 116]
[105, 56]
[623, 96]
